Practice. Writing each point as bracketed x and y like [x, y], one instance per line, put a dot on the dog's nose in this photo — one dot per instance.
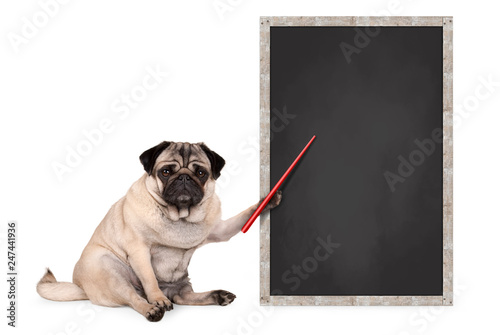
[184, 178]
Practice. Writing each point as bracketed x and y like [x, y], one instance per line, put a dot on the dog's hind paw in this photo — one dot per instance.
[223, 298]
[164, 303]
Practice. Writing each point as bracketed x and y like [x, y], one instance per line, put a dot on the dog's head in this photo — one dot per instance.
[182, 174]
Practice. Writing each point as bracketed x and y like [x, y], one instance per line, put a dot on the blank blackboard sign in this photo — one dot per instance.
[366, 216]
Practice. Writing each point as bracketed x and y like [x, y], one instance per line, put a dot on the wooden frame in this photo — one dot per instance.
[447, 24]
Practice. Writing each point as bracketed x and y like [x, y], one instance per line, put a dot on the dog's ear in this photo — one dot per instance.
[148, 157]
[216, 161]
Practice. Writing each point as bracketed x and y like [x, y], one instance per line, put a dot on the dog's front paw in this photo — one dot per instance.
[275, 200]
[155, 314]
[223, 298]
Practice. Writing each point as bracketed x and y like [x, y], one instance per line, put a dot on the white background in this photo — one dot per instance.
[66, 77]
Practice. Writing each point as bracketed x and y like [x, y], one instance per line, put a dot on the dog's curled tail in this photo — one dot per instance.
[49, 288]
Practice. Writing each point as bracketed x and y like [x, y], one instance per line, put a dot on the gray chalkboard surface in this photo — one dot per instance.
[362, 213]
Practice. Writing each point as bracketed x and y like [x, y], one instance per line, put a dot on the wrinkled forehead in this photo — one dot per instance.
[183, 155]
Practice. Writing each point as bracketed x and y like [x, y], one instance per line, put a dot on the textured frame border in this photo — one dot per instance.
[447, 24]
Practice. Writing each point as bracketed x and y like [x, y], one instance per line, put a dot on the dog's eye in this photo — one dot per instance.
[165, 172]
[201, 173]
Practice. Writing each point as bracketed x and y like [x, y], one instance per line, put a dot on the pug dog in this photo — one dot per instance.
[139, 254]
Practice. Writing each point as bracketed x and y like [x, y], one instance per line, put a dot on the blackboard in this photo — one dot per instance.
[362, 220]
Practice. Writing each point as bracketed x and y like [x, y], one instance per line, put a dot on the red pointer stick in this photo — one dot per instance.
[259, 209]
